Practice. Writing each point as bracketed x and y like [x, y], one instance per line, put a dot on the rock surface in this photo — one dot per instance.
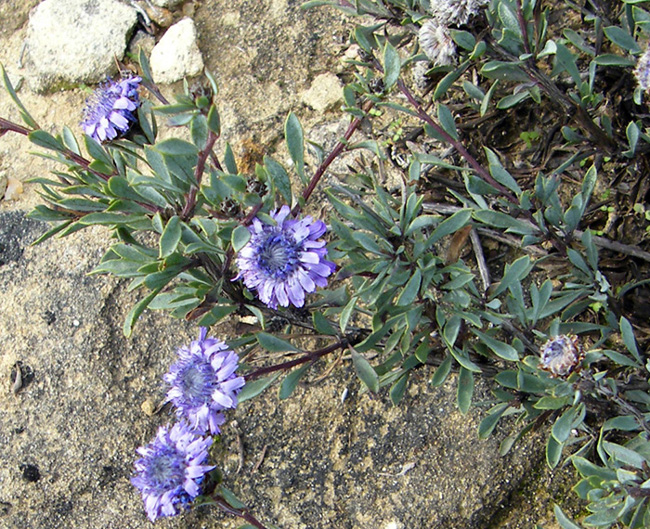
[177, 55]
[324, 93]
[77, 41]
[167, 3]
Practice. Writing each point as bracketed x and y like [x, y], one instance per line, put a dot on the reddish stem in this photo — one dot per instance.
[190, 203]
[241, 513]
[332, 156]
[313, 355]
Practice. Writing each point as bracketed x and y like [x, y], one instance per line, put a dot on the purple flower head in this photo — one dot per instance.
[203, 383]
[282, 262]
[171, 469]
[110, 109]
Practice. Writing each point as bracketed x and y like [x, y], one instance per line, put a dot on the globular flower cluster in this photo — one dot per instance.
[642, 70]
[284, 261]
[436, 43]
[434, 35]
[455, 12]
[110, 110]
[560, 356]
[203, 384]
[171, 469]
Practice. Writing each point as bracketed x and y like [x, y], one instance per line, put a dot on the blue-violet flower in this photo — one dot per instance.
[171, 469]
[109, 111]
[284, 261]
[203, 383]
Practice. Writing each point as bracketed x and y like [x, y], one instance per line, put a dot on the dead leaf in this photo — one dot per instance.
[457, 243]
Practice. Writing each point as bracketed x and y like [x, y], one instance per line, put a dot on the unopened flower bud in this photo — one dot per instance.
[561, 355]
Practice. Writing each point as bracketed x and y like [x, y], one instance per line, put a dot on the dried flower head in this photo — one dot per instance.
[283, 262]
[436, 42]
[109, 111]
[171, 469]
[203, 383]
[561, 355]
[455, 12]
[642, 70]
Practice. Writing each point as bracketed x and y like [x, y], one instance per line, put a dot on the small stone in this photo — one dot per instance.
[177, 55]
[148, 408]
[167, 3]
[326, 91]
[13, 188]
[77, 41]
[142, 41]
[3, 184]
[30, 472]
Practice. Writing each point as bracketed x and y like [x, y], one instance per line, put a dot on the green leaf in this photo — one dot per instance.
[499, 172]
[279, 177]
[464, 39]
[254, 388]
[199, 131]
[291, 381]
[564, 521]
[230, 497]
[392, 65]
[562, 427]
[503, 350]
[609, 59]
[365, 371]
[449, 79]
[568, 61]
[512, 100]
[447, 121]
[295, 143]
[45, 140]
[488, 424]
[553, 452]
[240, 237]
[410, 291]
[628, 338]
[346, 313]
[273, 344]
[622, 38]
[515, 272]
[177, 147]
[322, 325]
[465, 389]
[136, 311]
[442, 372]
[509, 18]
[448, 226]
[397, 390]
[170, 237]
[216, 314]
[27, 118]
[625, 455]
[214, 122]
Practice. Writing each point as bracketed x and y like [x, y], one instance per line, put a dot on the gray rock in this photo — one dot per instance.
[77, 41]
[167, 3]
[324, 93]
[177, 55]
